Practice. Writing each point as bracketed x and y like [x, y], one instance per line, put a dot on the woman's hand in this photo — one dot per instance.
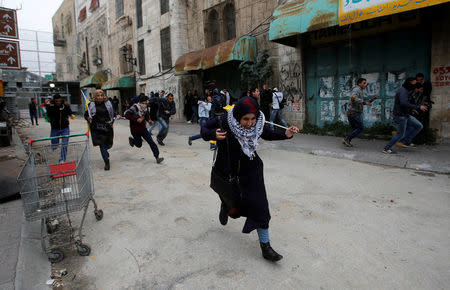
[220, 135]
[291, 131]
[140, 120]
[90, 120]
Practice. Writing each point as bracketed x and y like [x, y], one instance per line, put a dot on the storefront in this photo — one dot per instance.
[124, 88]
[383, 44]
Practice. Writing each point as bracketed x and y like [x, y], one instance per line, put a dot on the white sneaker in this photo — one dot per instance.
[388, 151]
[189, 122]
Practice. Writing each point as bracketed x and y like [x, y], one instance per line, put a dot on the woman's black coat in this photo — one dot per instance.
[254, 200]
[101, 127]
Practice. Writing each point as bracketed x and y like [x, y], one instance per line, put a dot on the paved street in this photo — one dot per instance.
[338, 223]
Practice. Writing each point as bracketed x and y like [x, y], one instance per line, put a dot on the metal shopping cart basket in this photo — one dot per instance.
[55, 181]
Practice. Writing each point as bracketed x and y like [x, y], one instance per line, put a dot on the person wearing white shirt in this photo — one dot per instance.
[277, 98]
[203, 115]
[225, 92]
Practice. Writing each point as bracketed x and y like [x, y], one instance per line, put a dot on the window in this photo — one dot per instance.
[164, 6]
[69, 64]
[139, 13]
[62, 26]
[94, 5]
[119, 8]
[229, 19]
[126, 59]
[166, 52]
[82, 15]
[141, 57]
[212, 29]
[69, 24]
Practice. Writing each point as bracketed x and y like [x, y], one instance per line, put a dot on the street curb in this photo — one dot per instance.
[32, 269]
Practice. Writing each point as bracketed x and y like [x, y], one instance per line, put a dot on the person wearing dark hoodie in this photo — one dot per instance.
[165, 110]
[59, 112]
[407, 126]
[138, 114]
[100, 115]
[237, 133]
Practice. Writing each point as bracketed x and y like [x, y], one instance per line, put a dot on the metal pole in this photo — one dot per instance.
[39, 60]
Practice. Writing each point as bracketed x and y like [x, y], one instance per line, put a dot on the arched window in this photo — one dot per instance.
[229, 22]
[212, 29]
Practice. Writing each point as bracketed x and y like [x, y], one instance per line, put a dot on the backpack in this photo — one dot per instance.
[218, 103]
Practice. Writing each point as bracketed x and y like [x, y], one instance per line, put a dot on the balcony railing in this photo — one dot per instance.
[58, 39]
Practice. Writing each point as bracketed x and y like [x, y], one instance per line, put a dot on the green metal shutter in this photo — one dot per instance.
[385, 60]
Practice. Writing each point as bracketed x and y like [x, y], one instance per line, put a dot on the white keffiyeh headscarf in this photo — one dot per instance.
[248, 138]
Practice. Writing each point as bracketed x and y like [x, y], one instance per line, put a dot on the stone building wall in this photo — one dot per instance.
[440, 72]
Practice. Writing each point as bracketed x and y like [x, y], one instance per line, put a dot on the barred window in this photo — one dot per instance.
[141, 57]
[164, 6]
[166, 52]
[119, 8]
[139, 13]
[229, 19]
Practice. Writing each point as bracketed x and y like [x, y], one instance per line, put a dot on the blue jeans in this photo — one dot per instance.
[407, 129]
[194, 113]
[274, 114]
[153, 126]
[34, 116]
[164, 128]
[64, 141]
[357, 125]
[144, 134]
[104, 151]
[202, 123]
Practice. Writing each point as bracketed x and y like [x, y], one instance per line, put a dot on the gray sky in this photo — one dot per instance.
[35, 14]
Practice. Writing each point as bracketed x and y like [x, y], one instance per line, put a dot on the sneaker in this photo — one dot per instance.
[401, 144]
[189, 122]
[159, 160]
[388, 151]
[160, 142]
[190, 141]
[346, 142]
[131, 141]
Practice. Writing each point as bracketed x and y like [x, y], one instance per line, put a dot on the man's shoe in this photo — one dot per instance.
[159, 160]
[223, 215]
[131, 141]
[189, 122]
[190, 141]
[388, 151]
[160, 142]
[269, 253]
[401, 144]
[346, 142]
[107, 165]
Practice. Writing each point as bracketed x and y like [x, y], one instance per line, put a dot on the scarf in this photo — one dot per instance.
[247, 138]
[108, 105]
[141, 109]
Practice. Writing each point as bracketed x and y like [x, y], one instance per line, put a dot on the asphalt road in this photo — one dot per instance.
[339, 224]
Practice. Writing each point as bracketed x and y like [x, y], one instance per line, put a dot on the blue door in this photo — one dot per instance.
[385, 60]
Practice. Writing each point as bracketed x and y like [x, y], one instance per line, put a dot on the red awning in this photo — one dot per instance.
[82, 15]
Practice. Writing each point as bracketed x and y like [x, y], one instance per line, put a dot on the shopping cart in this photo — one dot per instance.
[55, 181]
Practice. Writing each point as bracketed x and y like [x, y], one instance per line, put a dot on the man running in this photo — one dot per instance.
[138, 114]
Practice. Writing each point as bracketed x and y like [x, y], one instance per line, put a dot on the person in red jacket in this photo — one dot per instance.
[138, 114]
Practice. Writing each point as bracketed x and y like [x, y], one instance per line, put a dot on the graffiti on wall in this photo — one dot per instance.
[393, 82]
[388, 108]
[343, 107]
[346, 84]
[441, 76]
[327, 111]
[291, 85]
[326, 87]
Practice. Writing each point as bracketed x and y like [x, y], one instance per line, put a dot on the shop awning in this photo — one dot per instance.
[239, 49]
[96, 79]
[299, 16]
[119, 83]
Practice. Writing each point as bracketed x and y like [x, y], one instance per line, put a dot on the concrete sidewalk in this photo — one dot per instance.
[427, 158]
[23, 265]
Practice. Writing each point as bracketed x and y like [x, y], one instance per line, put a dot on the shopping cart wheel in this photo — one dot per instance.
[98, 214]
[55, 256]
[83, 250]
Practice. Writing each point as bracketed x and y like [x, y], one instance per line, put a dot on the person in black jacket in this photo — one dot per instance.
[32, 108]
[165, 110]
[266, 100]
[100, 115]
[243, 125]
[407, 126]
[59, 112]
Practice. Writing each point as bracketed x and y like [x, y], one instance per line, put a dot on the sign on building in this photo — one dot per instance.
[9, 54]
[351, 11]
[8, 23]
